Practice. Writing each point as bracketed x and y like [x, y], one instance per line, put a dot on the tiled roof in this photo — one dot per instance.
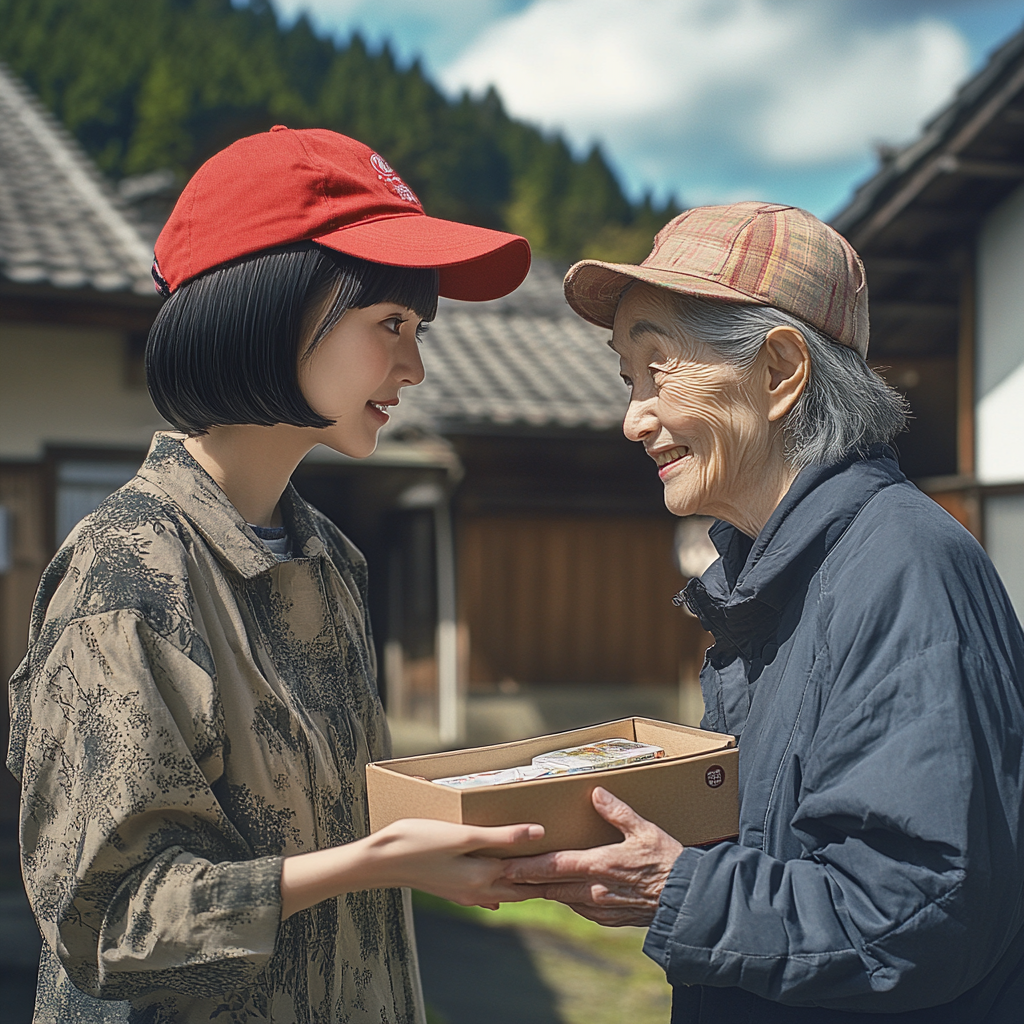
[988, 93]
[59, 220]
[526, 359]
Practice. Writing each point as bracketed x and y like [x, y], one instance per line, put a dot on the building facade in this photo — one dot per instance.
[521, 557]
[941, 229]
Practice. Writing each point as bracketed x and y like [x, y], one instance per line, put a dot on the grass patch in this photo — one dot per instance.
[598, 975]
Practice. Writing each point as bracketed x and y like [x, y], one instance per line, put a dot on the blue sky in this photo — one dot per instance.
[709, 100]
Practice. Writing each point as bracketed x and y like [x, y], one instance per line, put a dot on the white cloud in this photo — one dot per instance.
[872, 86]
[779, 84]
[436, 30]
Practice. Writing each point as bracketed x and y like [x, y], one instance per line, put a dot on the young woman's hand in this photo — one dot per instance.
[436, 856]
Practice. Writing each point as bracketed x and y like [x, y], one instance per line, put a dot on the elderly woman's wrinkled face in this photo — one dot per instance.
[697, 416]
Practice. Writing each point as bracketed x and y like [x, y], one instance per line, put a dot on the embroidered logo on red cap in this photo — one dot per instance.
[391, 179]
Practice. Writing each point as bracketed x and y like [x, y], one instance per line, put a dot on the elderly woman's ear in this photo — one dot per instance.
[788, 366]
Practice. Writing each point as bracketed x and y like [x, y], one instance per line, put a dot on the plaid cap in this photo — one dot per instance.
[758, 254]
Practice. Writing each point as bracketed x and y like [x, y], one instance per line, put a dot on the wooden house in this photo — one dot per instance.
[564, 552]
[521, 557]
[76, 301]
[941, 229]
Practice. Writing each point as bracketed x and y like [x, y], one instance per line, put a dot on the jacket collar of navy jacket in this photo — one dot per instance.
[170, 467]
[740, 597]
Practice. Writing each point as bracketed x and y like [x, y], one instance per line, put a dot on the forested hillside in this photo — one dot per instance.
[149, 84]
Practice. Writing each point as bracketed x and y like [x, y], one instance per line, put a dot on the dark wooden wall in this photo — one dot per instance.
[577, 600]
[23, 491]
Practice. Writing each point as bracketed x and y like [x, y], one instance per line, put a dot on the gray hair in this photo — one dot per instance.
[846, 406]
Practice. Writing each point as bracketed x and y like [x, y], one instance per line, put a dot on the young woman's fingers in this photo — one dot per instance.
[482, 836]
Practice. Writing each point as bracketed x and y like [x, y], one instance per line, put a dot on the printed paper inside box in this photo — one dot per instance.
[690, 792]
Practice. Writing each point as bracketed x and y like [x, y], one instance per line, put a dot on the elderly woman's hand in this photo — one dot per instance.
[613, 885]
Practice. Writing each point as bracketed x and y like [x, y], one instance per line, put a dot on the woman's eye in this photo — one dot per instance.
[628, 382]
[394, 324]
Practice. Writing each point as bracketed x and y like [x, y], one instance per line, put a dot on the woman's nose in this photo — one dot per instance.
[640, 420]
[410, 365]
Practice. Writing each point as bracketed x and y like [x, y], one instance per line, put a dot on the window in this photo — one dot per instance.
[81, 486]
[1004, 530]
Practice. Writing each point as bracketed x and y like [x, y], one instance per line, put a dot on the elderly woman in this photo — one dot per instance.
[866, 655]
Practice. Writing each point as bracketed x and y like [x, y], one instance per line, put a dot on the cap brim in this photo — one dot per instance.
[593, 289]
[475, 263]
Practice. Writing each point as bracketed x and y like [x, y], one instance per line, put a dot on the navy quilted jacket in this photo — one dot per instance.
[869, 660]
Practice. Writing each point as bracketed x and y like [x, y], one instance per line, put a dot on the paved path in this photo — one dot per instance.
[19, 958]
[471, 973]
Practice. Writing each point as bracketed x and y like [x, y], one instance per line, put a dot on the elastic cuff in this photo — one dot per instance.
[244, 901]
[672, 898]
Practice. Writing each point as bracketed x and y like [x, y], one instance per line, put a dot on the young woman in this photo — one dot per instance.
[198, 703]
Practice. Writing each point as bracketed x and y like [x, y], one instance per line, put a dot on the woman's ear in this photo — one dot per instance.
[789, 368]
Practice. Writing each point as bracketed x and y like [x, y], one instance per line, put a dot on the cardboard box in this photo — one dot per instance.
[691, 793]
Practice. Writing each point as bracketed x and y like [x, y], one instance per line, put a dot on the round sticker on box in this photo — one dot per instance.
[715, 776]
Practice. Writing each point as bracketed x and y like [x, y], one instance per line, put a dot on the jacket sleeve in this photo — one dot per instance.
[138, 879]
[907, 890]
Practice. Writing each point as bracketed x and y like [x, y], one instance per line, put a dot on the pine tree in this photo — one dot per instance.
[150, 84]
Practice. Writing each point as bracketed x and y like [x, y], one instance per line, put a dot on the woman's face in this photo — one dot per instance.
[356, 372]
[698, 417]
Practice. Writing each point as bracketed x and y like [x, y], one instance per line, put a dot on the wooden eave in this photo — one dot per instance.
[915, 222]
[86, 307]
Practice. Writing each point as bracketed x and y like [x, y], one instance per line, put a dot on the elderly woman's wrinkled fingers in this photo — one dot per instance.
[560, 866]
[615, 917]
[617, 812]
[582, 892]
[594, 894]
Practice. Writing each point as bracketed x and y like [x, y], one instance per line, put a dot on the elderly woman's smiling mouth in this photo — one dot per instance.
[667, 458]
[712, 428]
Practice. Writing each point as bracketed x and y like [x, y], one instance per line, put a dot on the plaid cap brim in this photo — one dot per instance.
[593, 288]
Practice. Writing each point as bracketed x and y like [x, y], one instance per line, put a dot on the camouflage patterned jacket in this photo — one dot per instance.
[190, 710]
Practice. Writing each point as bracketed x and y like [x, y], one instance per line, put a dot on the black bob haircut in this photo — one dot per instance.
[225, 347]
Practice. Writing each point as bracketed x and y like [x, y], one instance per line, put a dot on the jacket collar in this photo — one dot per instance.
[170, 468]
[740, 597]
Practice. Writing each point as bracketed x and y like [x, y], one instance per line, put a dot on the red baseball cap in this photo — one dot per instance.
[288, 185]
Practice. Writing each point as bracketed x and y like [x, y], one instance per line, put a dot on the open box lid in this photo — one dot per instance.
[679, 742]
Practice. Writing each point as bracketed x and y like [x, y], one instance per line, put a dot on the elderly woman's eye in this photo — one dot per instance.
[627, 381]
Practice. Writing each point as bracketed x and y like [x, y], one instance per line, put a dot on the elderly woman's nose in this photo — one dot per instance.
[640, 420]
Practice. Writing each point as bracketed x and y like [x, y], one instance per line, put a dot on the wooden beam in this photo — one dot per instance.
[54, 310]
[995, 169]
[965, 363]
[900, 265]
[932, 168]
[915, 310]
[940, 218]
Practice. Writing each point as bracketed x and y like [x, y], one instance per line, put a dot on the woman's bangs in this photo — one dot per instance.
[413, 287]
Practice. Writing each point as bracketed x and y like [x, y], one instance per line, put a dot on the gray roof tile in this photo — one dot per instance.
[525, 359]
[60, 222]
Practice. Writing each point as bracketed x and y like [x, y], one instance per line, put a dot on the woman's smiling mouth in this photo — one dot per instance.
[381, 408]
[669, 457]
